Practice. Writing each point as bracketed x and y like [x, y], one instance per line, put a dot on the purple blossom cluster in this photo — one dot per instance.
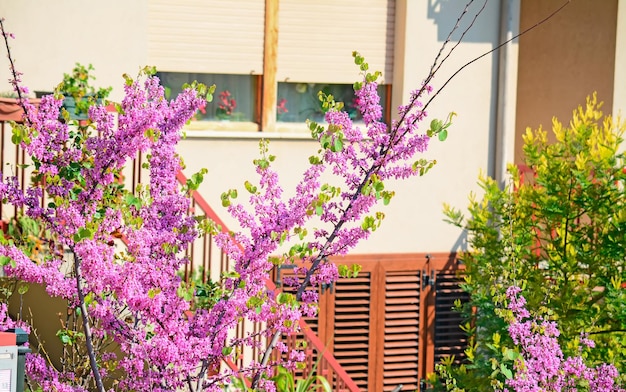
[542, 365]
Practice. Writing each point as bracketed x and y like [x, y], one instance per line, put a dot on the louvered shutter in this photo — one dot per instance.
[449, 338]
[316, 39]
[206, 36]
[402, 326]
[351, 326]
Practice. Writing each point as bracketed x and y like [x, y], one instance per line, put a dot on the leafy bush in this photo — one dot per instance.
[558, 230]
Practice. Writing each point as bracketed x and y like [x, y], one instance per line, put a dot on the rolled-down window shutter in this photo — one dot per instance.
[316, 39]
[206, 36]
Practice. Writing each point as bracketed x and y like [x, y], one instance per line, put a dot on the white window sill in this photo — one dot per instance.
[245, 130]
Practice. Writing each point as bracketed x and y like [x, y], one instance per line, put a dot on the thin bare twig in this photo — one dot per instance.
[542, 21]
[14, 73]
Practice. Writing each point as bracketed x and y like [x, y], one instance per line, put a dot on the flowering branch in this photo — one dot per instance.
[540, 364]
[15, 75]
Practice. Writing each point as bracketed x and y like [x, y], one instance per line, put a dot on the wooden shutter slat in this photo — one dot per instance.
[402, 278]
[401, 301]
[402, 358]
[402, 307]
[402, 337]
[398, 322]
[403, 315]
[352, 302]
[402, 329]
[402, 351]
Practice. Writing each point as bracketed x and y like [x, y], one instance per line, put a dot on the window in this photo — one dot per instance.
[234, 99]
[247, 49]
[298, 102]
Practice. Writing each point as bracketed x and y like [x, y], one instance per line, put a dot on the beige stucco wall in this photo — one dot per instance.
[114, 41]
[50, 37]
[561, 63]
[619, 91]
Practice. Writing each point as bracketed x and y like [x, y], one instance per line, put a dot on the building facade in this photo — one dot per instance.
[269, 58]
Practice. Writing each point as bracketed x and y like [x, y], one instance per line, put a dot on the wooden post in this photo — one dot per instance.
[269, 86]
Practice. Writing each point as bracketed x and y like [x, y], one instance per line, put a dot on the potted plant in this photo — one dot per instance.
[10, 109]
[78, 93]
[227, 105]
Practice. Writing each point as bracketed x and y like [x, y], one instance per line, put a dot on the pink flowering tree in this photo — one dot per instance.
[131, 295]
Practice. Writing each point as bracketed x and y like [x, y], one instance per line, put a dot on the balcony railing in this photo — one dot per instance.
[204, 255]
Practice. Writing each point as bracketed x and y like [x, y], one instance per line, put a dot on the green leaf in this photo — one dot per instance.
[443, 135]
[118, 108]
[338, 145]
[230, 274]
[506, 371]
[83, 233]
[325, 384]
[249, 187]
[285, 298]
[314, 160]
[153, 292]
[132, 200]
[23, 288]
[4, 260]
[511, 355]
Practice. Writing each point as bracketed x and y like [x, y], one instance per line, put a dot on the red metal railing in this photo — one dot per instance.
[328, 366]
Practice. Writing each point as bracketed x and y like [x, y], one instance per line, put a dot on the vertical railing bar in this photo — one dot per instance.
[17, 155]
[192, 252]
[139, 159]
[254, 333]
[22, 167]
[186, 269]
[2, 160]
[206, 260]
[223, 262]
[133, 180]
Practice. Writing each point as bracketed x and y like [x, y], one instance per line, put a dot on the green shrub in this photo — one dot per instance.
[558, 230]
